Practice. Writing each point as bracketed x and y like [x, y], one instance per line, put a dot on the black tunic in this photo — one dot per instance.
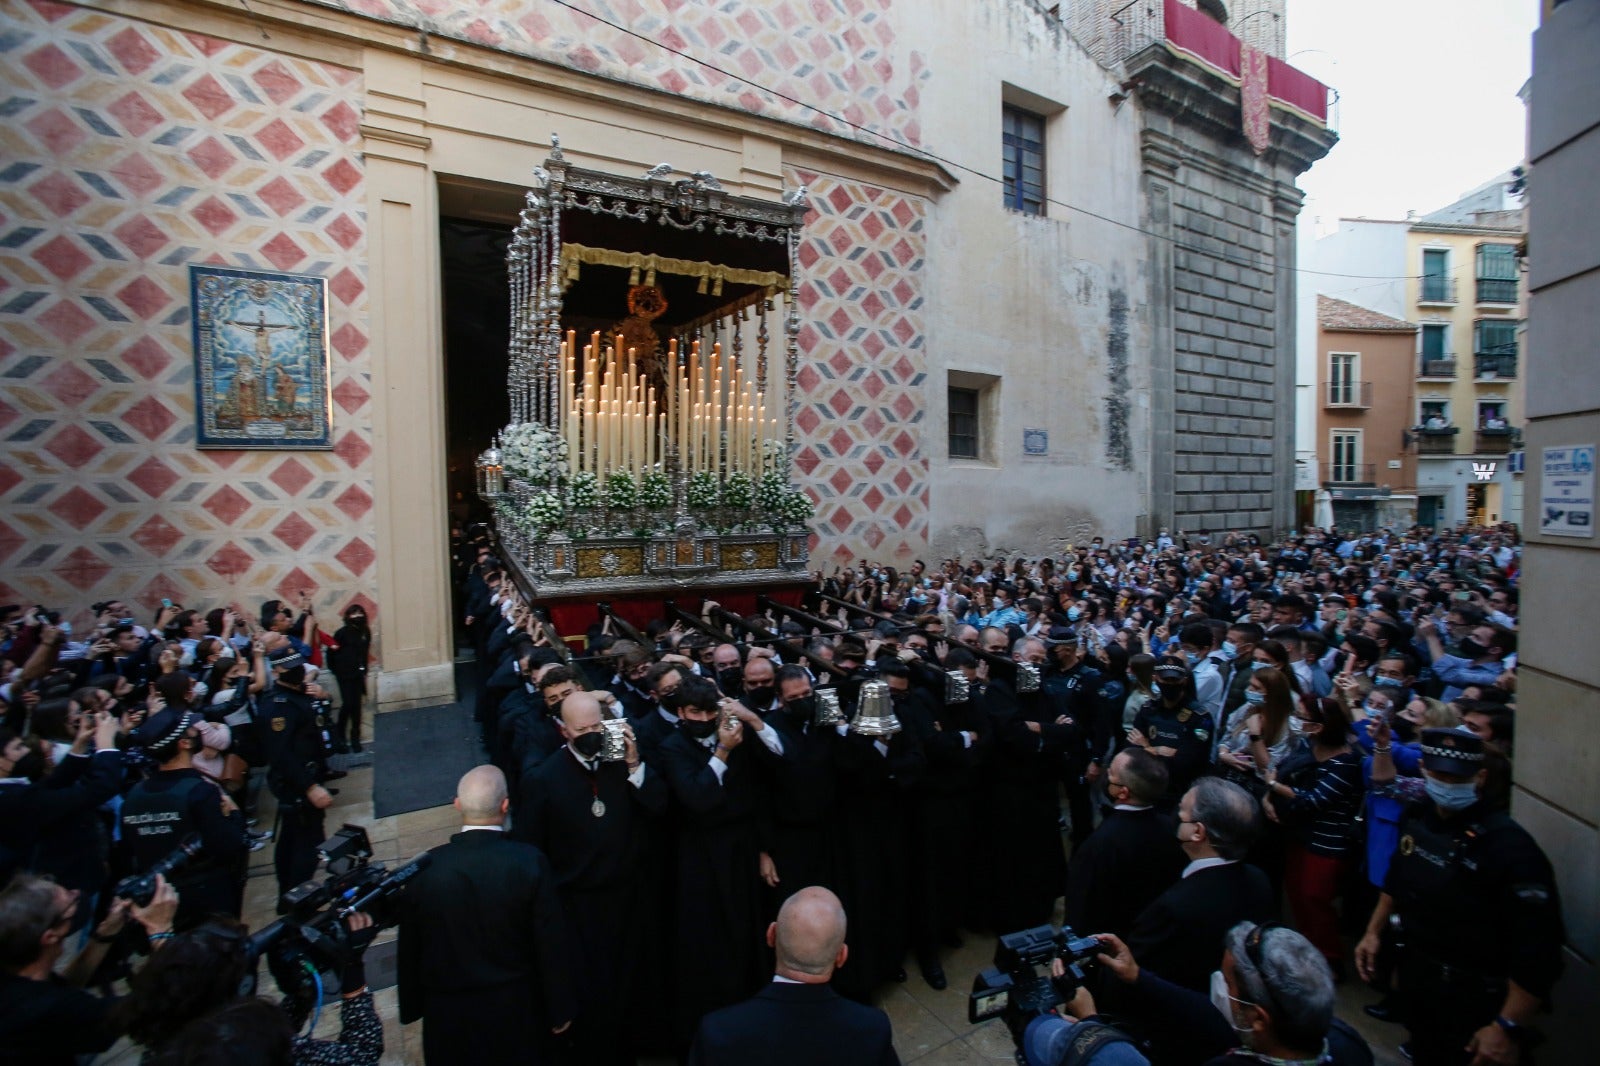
[1127, 862]
[801, 805]
[597, 863]
[1026, 868]
[718, 933]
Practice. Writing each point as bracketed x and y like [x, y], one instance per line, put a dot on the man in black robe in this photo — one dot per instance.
[589, 816]
[877, 776]
[801, 785]
[1027, 866]
[956, 739]
[714, 767]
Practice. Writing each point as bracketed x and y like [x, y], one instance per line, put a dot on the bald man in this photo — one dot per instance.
[589, 817]
[799, 1019]
[483, 951]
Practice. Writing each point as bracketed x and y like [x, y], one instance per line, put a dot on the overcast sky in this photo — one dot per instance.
[1428, 105]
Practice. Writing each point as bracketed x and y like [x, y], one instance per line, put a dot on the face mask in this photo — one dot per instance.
[1386, 682]
[1170, 692]
[760, 697]
[588, 744]
[1192, 656]
[30, 766]
[1072, 575]
[1471, 649]
[1229, 649]
[803, 708]
[1451, 796]
[1375, 710]
[668, 701]
[697, 730]
[1073, 614]
[1257, 664]
[731, 680]
[1297, 726]
[1252, 697]
[1405, 730]
[1366, 597]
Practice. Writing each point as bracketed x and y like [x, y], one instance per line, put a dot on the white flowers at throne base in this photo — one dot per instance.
[533, 453]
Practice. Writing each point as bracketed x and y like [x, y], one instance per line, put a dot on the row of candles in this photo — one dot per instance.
[713, 411]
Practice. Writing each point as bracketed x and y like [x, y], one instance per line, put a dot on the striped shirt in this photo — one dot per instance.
[1325, 810]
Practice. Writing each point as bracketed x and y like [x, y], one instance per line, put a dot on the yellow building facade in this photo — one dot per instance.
[1466, 294]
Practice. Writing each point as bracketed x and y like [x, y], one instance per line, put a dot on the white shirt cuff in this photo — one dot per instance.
[636, 778]
[718, 767]
[769, 736]
[883, 749]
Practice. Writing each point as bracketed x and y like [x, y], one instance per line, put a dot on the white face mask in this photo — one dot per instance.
[1224, 1003]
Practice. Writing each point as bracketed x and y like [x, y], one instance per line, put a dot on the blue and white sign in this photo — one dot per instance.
[1035, 442]
[1566, 492]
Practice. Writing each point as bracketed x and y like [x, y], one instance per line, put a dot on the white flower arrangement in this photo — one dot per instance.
[701, 494]
[770, 492]
[543, 513]
[737, 491]
[583, 493]
[655, 491]
[621, 492]
[775, 456]
[534, 453]
[796, 509]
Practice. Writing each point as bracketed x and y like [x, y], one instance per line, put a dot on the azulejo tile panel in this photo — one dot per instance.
[129, 151]
[863, 369]
[812, 62]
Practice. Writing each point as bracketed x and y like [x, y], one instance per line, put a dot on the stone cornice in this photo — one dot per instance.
[1207, 103]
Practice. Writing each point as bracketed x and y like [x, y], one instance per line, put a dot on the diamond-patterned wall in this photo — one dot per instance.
[129, 151]
[863, 371]
[839, 56]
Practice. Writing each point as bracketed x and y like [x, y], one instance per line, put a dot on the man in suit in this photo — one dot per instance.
[1180, 935]
[1132, 857]
[482, 952]
[799, 1018]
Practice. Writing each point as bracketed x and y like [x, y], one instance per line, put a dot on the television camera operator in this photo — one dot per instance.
[1271, 1002]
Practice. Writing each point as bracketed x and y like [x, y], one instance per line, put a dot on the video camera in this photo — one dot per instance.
[141, 888]
[1014, 990]
[310, 945]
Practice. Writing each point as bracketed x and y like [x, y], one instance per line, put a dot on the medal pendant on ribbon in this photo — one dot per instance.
[597, 808]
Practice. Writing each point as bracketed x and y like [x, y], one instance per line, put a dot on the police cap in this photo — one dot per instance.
[1458, 751]
[163, 728]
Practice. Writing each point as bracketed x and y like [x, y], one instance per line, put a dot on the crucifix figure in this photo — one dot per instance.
[250, 377]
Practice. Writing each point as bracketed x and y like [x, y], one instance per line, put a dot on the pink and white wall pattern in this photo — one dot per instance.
[841, 57]
[863, 370]
[129, 151]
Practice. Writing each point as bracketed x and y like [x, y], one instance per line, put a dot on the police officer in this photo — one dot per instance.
[1478, 910]
[296, 740]
[175, 801]
[1173, 727]
[1070, 684]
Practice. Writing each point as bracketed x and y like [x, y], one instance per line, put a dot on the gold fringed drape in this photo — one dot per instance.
[643, 267]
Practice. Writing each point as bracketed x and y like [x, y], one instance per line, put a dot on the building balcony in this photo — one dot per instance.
[1349, 473]
[1494, 367]
[1436, 440]
[1496, 293]
[1442, 368]
[1495, 441]
[1437, 291]
[1348, 394]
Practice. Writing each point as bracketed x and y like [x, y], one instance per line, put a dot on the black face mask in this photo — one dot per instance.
[731, 681]
[760, 697]
[668, 701]
[803, 708]
[1171, 693]
[294, 677]
[359, 620]
[589, 744]
[1471, 649]
[697, 730]
[1405, 730]
[898, 698]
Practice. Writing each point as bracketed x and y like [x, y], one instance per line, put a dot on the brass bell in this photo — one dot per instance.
[874, 712]
[828, 712]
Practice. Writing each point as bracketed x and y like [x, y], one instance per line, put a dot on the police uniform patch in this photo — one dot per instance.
[279, 724]
[1185, 714]
[1407, 845]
